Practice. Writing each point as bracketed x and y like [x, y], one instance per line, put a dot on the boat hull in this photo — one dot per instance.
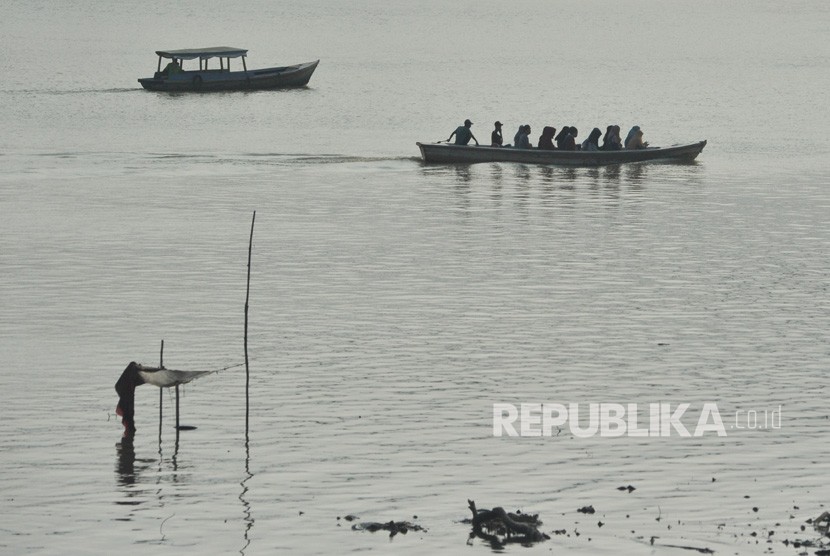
[218, 80]
[444, 153]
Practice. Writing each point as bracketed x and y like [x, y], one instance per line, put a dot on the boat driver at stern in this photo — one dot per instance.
[463, 134]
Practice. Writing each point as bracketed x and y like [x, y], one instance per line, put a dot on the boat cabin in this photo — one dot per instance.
[177, 57]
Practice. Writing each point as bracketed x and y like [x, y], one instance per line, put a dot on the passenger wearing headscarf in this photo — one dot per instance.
[567, 139]
[522, 138]
[606, 137]
[614, 141]
[574, 132]
[634, 139]
[125, 387]
[610, 141]
[546, 139]
[561, 136]
[592, 142]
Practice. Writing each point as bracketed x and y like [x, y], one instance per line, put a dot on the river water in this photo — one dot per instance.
[392, 304]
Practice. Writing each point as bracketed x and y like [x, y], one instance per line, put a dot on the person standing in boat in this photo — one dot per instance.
[546, 139]
[496, 138]
[463, 134]
[634, 139]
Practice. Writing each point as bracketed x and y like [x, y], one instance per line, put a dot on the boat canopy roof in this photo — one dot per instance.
[203, 53]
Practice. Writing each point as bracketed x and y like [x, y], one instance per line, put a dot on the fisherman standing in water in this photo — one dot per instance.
[463, 134]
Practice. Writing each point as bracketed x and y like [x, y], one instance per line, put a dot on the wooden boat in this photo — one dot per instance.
[174, 78]
[443, 153]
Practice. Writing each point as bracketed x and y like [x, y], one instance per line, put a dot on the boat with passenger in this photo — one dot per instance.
[446, 153]
[174, 78]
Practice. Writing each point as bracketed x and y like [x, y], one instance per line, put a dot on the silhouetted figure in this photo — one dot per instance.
[172, 68]
[546, 139]
[496, 138]
[566, 140]
[634, 139]
[592, 142]
[560, 137]
[125, 387]
[574, 132]
[463, 134]
[611, 140]
[522, 138]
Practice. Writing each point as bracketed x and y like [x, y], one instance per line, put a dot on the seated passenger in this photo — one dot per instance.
[612, 141]
[496, 138]
[522, 138]
[463, 134]
[561, 136]
[592, 142]
[606, 139]
[566, 140]
[172, 68]
[518, 134]
[546, 139]
[574, 132]
[634, 139]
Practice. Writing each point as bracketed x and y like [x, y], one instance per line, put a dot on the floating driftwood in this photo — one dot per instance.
[499, 527]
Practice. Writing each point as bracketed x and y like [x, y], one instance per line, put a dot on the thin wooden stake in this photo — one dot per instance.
[161, 391]
[247, 296]
[177, 408]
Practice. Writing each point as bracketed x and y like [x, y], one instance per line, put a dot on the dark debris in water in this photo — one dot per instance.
[394, 527]
[499, 527]
[822, 524]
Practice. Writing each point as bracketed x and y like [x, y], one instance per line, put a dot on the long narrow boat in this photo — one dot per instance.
[443, 153]
[174, 78]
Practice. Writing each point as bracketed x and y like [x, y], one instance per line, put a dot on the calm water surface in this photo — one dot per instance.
[393, 303]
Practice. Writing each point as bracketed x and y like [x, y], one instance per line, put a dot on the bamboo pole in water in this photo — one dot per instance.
[247, 297]
[161, 391]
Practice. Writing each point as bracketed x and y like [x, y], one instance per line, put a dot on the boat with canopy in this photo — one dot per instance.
[175, 78]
